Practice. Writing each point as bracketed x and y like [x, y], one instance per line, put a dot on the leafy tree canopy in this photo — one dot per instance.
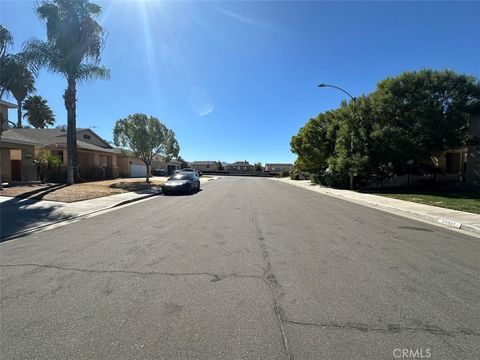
[146, 137]
[394, 130]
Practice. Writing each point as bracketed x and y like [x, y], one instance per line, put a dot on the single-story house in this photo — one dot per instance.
[240, 167]
[96, 158]
[206, 165]
[278, 168]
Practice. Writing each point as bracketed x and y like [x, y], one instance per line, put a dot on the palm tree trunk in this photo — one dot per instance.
[19, 114]
[70, 105]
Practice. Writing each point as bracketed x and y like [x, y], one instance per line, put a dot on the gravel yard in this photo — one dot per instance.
[81, 191]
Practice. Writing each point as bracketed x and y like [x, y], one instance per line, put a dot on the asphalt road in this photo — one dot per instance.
[245, 269]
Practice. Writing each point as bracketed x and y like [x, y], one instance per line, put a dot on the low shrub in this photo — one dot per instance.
[315, 178]
[285, 173]
[335, 180]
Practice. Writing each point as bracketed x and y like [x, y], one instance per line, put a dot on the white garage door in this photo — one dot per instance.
[138, 170]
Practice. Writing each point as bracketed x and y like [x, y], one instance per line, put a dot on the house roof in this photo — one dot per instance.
[206, 162]
[9, 136]
[49, 138]
[8, 104]
[240, 163]
[278, 164]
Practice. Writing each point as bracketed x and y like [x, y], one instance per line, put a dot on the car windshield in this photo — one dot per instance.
[181, 177]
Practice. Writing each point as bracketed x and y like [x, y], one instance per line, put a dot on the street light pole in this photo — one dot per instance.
[353, 117]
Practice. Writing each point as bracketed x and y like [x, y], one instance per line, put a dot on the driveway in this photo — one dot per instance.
[247, 268]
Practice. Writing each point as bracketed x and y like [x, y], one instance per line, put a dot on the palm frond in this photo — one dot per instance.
[92, 71]
[37, 54]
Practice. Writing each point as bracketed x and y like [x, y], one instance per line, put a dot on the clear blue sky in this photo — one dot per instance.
[235, 80]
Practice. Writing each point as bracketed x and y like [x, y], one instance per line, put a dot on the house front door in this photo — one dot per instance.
[16, 170]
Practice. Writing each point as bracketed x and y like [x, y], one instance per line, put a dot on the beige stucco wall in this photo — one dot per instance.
[93, 139]
[5, 161]
[124, 168]
[212, 167]
[28, 168]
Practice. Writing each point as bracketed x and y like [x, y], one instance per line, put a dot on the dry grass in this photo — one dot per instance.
[79, 192]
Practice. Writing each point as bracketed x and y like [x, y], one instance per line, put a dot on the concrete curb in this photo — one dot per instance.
[78, 216]
[467, 228]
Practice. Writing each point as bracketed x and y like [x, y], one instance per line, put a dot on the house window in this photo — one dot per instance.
[15, 154]
[86, 136]
[453, 163]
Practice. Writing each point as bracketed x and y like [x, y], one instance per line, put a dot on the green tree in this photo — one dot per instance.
[73, 48]
[6, 40]
[432, 108]
[44, 161]
[145, 137]
[315, 143]
[220, 165]
[184, 164]
[19, 81]
[396, 129]
[258, 166]
[38, 113]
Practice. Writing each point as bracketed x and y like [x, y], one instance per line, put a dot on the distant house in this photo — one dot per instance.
[278, 168]
[473, 157]
[204, 165]
[452, 162]
[96, 158]
[166, 168]
[131, 166]
[240, 167]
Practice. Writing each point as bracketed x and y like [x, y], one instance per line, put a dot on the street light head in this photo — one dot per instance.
[321, 85]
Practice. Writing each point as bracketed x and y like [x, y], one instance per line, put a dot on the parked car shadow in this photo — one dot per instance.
[16, 217]
[182, 194]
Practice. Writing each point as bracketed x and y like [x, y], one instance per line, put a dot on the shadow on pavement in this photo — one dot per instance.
[17, 216]
[179, 193]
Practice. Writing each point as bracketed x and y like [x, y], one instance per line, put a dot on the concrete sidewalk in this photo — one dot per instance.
[466, 222]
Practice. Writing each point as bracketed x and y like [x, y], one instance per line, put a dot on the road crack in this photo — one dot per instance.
[391, 328]
[273, 284]
[215, 277]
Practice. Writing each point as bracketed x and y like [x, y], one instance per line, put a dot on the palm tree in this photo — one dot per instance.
[73, 47]
[38, 113]
[19, 82]
[6, 40]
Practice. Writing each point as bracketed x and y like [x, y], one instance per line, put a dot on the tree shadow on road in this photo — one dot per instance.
[16, 217]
